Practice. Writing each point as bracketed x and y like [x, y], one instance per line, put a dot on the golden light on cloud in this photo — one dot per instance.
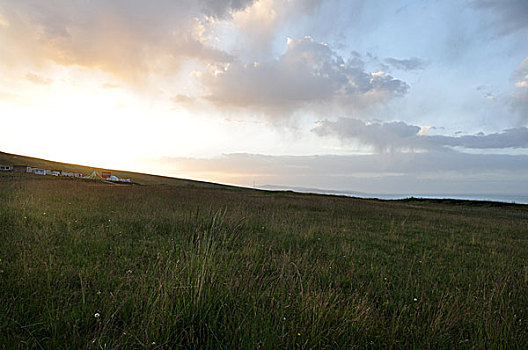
[106, 83]
[260, 16]
[423, 130]
[37, 79]
[3, 21]
[74, 118]
[82, 116]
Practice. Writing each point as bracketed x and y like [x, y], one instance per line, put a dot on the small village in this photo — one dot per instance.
[104, 176]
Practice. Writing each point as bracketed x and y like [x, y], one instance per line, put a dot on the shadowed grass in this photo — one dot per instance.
[175, 267]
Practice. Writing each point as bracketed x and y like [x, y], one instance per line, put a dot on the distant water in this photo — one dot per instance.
[506, 198]
[519, 199]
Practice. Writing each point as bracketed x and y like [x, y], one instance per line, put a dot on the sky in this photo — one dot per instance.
[406, 97]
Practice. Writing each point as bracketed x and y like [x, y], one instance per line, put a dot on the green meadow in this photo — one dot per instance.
[90, 265]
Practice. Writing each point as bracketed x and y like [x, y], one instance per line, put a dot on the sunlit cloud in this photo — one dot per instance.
[37, 79]
[519, 100]
[308, 73]
[330, 81]
[127, 39]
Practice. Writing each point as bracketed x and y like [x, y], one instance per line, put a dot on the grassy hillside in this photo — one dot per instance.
[90, 265]
[138, 178]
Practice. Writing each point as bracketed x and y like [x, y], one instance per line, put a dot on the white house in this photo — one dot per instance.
[39, 171]
[67, 173]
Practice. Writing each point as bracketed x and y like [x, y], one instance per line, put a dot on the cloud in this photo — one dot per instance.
[510, 15]
[110, 85]
[382, 136]
[257, 25]
[520, 103]
[431, 172]
[129, 39]
[486, 93]
[519, 100]
[183, 99]
[509, 138]
[396, 136]
[260, 24]
[406, 64]
[12, 98]
[308, 73]
[189, 45]
[223, 8]
[356, 165]
[37, 79]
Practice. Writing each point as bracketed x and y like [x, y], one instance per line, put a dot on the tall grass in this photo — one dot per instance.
[89, 265]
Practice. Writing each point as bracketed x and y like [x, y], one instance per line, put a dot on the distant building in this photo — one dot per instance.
[106, 174]
[20, 168]
[79, 175]
[6, 168]
[67, 173]
[55, 172]
[37, 171]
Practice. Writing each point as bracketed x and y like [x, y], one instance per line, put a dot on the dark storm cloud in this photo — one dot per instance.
[393, 136]
[510, 138]
[382, 136]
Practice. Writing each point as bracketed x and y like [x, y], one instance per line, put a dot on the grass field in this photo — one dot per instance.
[91, 265]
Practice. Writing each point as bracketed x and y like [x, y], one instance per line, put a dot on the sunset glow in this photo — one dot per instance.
[428, 97]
